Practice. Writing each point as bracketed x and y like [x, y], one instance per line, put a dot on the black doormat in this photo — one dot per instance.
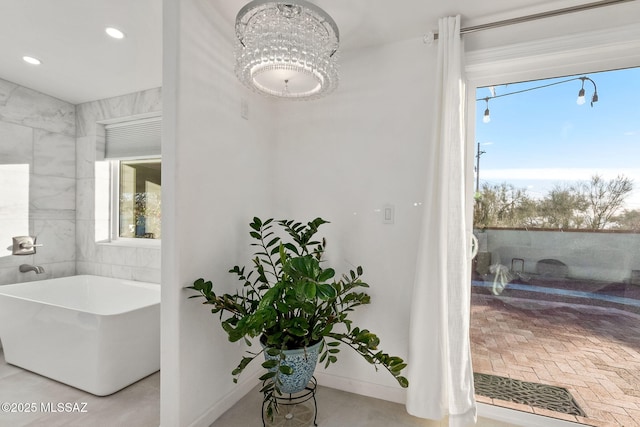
[544, 396]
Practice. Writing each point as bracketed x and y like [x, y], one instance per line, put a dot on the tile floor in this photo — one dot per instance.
[135, 406]
[593, 352]
[336, 409]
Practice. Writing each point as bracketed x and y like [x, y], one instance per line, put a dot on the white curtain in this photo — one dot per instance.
[440, 372]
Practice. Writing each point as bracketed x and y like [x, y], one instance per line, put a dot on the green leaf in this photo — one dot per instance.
[270, 364]
[273, 241]
[268, 387]
[309, 290]
[325, 292]
[255, 235]
[267, 376]
[256, 224]
[283, 254]
[404, 383]
[327, 274]
[287, 370]
[297, 331]
[268, 298]
[243, 364]
[273, 351]
[291, 247]
[282, 307]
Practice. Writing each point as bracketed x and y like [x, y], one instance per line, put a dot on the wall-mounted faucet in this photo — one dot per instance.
[24, 268]
[24, 245]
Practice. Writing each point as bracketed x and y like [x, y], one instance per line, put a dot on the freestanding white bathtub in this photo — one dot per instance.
[94, 333]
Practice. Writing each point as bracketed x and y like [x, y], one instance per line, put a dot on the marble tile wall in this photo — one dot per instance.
[37, 181]
[94, 254]
[54, 184]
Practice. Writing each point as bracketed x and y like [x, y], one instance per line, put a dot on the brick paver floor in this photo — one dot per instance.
[593, 352]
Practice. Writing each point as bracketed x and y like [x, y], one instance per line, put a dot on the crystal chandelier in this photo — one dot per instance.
[286, 49]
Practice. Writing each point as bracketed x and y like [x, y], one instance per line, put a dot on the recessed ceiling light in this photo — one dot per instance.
[31, 60]
[114, 32]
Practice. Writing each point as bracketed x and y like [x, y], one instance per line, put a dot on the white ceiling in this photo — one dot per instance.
[81, 63]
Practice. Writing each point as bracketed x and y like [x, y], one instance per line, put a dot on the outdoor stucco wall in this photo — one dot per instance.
[589, 255]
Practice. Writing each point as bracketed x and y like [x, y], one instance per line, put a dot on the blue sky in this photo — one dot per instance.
[542, 137]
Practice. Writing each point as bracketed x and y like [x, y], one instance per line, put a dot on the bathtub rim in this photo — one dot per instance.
[145, 285]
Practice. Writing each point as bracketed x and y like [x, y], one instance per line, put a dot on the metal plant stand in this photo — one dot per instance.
[292, 410]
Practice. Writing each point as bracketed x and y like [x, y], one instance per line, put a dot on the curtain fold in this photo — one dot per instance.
[440, 372]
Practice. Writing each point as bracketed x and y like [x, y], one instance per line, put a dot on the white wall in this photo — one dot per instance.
[217, 174]
[37, 182]
[344, 158]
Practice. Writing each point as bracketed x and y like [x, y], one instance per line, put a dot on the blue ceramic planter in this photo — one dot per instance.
[303, 361]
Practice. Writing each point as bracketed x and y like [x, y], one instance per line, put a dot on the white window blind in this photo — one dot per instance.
[135, 139]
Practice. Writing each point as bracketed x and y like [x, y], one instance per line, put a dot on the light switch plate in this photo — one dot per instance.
[388, 214]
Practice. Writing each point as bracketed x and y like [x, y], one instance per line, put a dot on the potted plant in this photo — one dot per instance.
[294, 303]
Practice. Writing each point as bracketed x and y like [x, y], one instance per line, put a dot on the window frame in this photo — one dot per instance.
[596, 51]
[114, 217]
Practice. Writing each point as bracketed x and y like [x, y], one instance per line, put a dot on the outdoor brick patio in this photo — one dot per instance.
[594, 352]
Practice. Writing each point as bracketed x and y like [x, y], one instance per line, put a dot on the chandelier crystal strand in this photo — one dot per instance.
[286, 49]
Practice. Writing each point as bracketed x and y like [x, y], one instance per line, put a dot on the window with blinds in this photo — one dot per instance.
[134, 149]
[135, 139]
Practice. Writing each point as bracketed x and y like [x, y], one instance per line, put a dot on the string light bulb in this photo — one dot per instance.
[487, 117]
[594, 98]
[581, 100]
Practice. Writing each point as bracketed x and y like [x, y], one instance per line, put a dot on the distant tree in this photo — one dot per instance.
[588, 205]
[502, 205]
[604, 199]
[628, 220]
[563, 208]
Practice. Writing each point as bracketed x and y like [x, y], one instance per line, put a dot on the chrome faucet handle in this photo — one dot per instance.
[24, 245]
[29, 245]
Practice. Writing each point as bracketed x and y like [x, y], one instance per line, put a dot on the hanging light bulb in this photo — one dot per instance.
[581, 100]
[487, 117]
